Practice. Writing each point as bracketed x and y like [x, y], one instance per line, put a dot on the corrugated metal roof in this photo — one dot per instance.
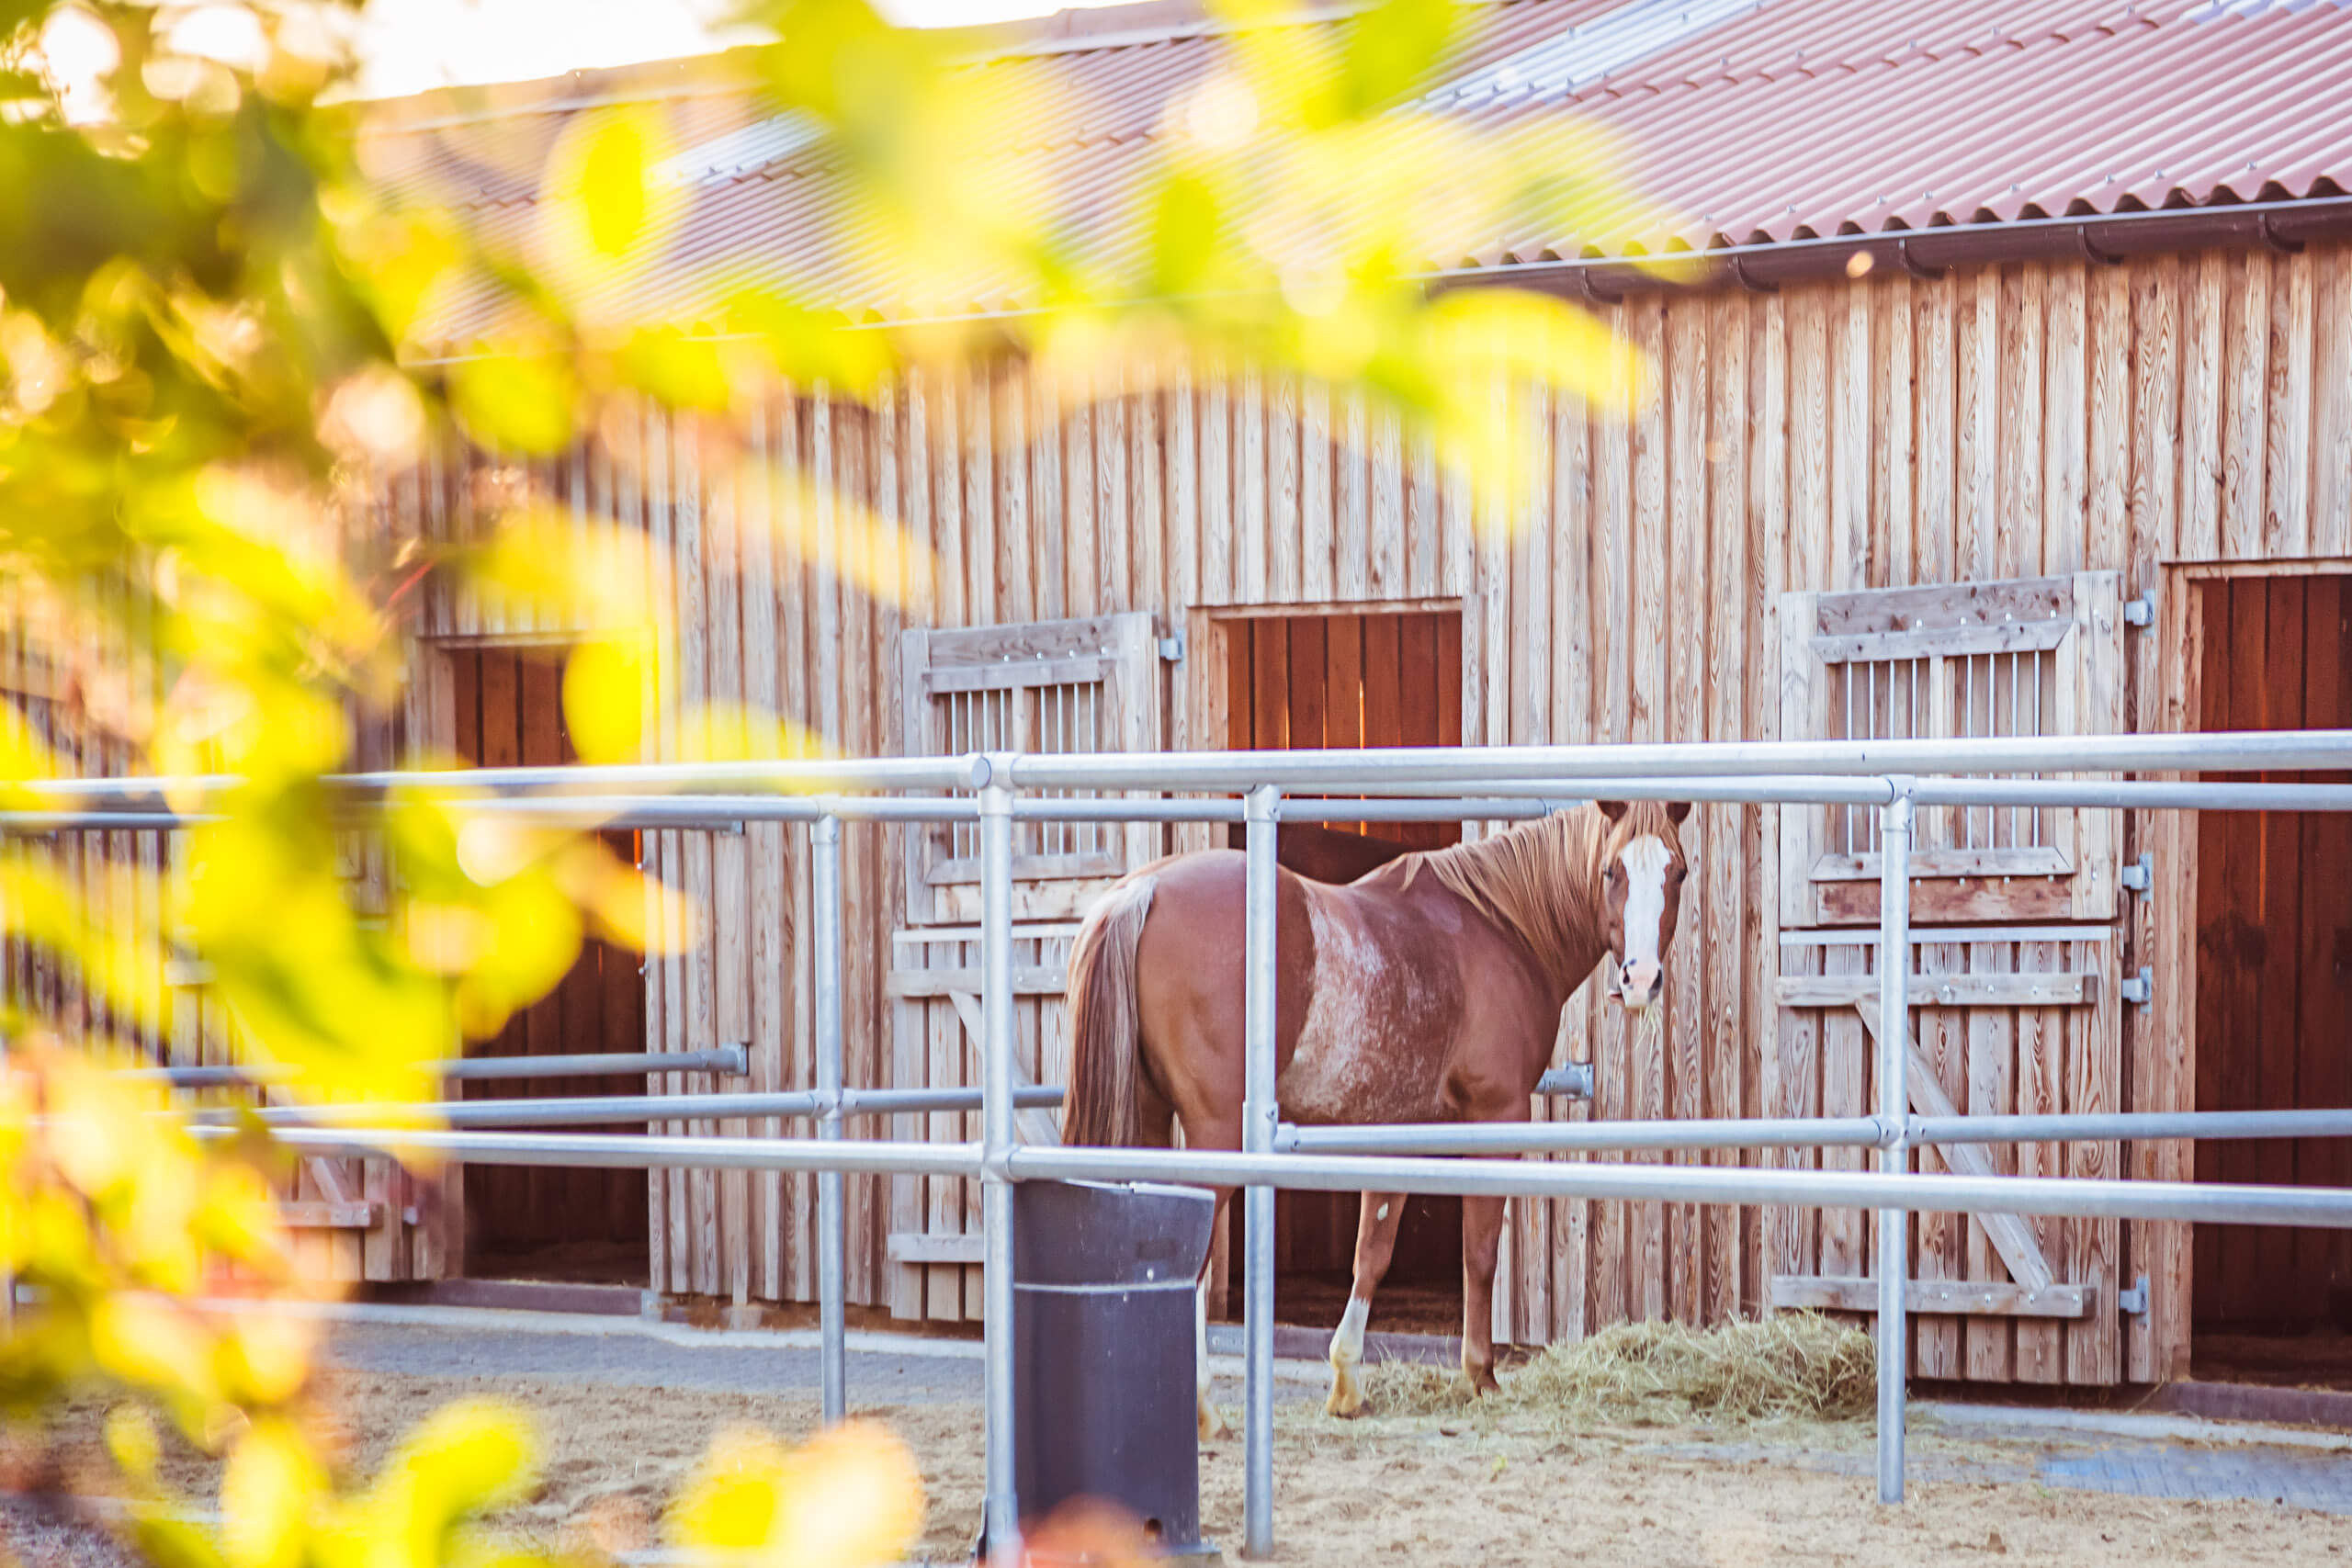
[1747, 120]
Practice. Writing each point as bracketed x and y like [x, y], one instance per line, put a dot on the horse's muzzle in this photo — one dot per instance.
[1638, 985]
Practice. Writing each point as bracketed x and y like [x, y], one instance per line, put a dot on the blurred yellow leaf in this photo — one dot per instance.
[96, 1124]
[518, 402]
[605, 685]
[679, 370]
[1493, 337]
[850, 1498]
[614, 150]
[265, 1493]
[554, 564]
[736, 732]
[239, 1215]
[265, 1357]
[146, 1343]
[604, 205]
[133, 1441]
[638, 911]
[835, 532]
[1391, 47]
[23, 758]
[465, 1459]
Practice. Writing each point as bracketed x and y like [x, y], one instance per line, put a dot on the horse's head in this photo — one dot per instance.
[1643, 866]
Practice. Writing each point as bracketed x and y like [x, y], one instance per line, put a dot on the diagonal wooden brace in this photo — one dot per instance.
[2009, 1233]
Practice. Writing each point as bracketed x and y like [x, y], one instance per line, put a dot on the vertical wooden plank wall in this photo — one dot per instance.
[1862, 434]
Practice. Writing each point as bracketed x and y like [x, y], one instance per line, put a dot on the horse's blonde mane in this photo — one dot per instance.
[1540, 879]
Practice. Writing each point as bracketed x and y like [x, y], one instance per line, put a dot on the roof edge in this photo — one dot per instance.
[1764, 267]
[2106, 239]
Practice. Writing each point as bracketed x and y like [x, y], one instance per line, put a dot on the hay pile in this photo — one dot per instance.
[1791, 1366]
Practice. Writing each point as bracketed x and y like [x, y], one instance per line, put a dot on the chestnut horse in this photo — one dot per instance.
[1429, 989]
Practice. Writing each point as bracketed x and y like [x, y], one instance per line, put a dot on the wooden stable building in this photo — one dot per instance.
[2065, 450]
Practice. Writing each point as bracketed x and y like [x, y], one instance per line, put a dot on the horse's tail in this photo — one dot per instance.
[1105, 1027]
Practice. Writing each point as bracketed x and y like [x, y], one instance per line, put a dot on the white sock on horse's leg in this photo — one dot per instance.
[1347, 1350]
[1211, 1424]
[1347, 1341]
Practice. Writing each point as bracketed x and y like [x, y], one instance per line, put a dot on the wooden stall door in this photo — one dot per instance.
[1048, 686]
[1372, 679]
[583, 1227]
[2274, 984]
[2015, 987]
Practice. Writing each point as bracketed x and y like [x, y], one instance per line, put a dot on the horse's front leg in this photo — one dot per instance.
[1377, 1218]
[1482, 1232]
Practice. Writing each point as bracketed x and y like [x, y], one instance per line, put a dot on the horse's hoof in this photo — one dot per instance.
[1346, 1400]
[1475, 1385]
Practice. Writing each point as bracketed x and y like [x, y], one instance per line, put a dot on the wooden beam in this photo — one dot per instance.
[1087, 670]
[1028, 980]
[930, 1247]
[1037, 1125]
[330, 1179]
[2011, 1237]
[2024, 860]
[309, 1216]
[1976, 1298]
[2055, 988]
[2013, 636]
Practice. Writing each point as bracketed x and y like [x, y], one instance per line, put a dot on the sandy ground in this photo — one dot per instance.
[1460, 1489]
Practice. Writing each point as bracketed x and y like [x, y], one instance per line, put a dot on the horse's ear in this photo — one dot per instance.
[1612, 809]
[1676, 810]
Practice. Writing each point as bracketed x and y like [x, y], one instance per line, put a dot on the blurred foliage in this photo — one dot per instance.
[220, 336]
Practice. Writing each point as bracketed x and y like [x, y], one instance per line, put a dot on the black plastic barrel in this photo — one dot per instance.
[1104, 1397]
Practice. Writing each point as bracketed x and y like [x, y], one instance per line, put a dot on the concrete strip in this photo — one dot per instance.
[489, 1320]
[2126, 1423]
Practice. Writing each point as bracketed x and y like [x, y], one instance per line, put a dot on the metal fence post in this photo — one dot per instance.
[1259, 1114]
[1003, 1503]
[1894, 1109]
[833, 1314]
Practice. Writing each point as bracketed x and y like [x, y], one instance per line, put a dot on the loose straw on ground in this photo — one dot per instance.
[1791, 1366]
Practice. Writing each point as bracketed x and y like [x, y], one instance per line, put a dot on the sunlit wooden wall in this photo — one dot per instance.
[2010, 422]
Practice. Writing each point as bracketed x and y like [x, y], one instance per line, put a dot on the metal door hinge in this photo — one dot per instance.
[2140, 611]
[2140, 987]
[1573, 1081]
[1172, 648]
[2140, 876]
[2133, 1302]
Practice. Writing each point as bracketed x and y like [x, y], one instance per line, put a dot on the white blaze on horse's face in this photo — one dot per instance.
[1641, 969]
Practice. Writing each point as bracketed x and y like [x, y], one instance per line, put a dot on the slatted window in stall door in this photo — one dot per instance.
[1050, 686]
[2014, 958]
[2034, 656]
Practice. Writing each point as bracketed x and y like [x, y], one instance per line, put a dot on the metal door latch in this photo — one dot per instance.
[2140, 611]
[1172, 648]
[2140, 987]
[2133, 1302]
[2140, 876]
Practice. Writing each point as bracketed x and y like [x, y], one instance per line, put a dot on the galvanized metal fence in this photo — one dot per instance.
[1894, 777]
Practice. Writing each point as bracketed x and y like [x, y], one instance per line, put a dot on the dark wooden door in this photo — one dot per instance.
[2274, 958]
[1348, 682]
[586, 1226]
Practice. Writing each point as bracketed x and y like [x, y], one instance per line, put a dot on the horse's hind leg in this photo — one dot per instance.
[1376, 1220]
[1482, 1230]
[1212, 1420]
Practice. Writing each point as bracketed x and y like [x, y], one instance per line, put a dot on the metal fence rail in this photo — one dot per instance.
[1439, 1138]
[599, 1111]
[1469, 783]
[725, 1061]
